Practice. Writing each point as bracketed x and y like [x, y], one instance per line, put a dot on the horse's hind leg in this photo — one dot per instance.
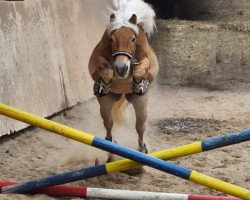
[140, 105]
[106, 104]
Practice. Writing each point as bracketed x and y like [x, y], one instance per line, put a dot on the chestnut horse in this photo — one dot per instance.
[123, 64]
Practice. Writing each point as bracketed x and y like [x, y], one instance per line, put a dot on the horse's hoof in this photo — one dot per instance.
[143, 149]
[97, 162]
[110, 158]
[134, 172]
[109, 139]
[110, 155]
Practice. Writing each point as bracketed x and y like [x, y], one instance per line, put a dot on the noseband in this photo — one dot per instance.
[123, 53]
[130, 56]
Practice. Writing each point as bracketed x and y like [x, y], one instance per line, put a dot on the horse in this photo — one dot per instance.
[123, 65]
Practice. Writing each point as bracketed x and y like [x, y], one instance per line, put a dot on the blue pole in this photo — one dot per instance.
[76, 175]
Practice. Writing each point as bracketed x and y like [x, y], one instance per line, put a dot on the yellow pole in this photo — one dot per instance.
[88, 139]
[49, 125]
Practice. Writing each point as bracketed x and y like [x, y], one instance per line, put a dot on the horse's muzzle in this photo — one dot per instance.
[122, 68]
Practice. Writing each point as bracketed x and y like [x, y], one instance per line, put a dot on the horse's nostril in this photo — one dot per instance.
[119, 70]
[125, 68]
[122, 70]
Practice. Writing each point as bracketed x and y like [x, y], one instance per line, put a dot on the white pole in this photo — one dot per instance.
[133, 195]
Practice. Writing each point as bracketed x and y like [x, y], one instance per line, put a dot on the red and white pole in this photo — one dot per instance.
[83, 192]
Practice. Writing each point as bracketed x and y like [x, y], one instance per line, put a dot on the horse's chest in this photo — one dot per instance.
[121, 86]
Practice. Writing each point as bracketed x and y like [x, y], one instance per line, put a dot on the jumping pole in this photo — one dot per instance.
[117, 149]
[125, 164]
[57, 191]
[100, 193]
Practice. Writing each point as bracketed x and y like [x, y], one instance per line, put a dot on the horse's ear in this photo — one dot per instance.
[112, 17]
[133, 19]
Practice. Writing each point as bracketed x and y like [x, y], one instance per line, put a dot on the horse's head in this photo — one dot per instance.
[123, 44]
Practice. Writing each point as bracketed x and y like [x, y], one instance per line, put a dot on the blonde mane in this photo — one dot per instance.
[123, 11]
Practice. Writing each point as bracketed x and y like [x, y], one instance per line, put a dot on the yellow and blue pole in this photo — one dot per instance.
[100, 143]
[125, 164]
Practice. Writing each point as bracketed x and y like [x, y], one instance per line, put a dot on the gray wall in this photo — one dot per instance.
[208, 45]
[45, 46]
[202, 53]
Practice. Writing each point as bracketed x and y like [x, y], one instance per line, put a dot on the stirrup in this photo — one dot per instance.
[140, 88]
[101, 88]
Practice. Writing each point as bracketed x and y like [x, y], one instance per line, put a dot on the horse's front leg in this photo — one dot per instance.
[141, 70]
[102, 76]
[106, 103]
[141, 77]
[140, 105]
[139, 99]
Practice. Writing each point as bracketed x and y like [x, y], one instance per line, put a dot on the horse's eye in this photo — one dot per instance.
[133, 40]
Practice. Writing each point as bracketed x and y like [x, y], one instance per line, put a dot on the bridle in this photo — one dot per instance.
[125, 53]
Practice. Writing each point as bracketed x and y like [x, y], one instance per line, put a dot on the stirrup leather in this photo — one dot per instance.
[140, 88]
[101, 88]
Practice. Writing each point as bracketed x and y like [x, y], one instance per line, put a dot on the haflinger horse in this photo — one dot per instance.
[123, 64]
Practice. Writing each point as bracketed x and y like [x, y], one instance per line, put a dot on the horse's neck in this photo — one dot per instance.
[142, 45]
[104, 47]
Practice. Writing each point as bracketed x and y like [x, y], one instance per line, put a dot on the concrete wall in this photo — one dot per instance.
[45, 46]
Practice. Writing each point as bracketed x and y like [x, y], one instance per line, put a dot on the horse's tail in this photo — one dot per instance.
[118, 109]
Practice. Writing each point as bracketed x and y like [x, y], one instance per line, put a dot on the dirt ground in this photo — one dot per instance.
[176, 116]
